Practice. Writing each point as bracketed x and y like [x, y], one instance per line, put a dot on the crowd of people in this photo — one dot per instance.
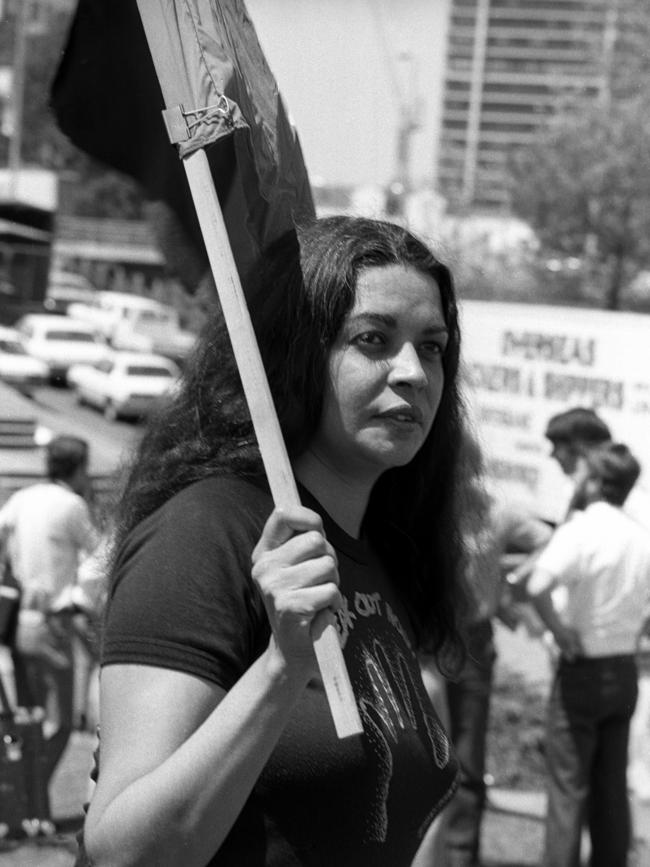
[216, 744]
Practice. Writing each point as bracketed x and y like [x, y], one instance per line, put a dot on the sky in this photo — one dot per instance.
[344, 68]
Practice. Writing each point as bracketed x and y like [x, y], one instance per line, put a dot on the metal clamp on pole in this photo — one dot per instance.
[181, 124]
[175, 124]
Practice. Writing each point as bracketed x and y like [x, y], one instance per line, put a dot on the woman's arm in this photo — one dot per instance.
[179, 756]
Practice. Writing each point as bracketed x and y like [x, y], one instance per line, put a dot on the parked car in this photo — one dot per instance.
[134, 323]
[126, 384]
[60, 342]
[17, 368]
[59, 298]
[65, 288]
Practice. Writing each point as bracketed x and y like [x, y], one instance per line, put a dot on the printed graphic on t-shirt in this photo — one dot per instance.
[397, 715]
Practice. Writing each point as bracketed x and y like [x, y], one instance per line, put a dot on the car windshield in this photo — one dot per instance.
[75, 336]
[69, 293]
[11, 347]
[154, 316]
[146, 370]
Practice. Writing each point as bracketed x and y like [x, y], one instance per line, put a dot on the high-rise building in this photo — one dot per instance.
[509, 64]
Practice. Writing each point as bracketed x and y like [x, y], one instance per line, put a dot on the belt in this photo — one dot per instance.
[594, 660]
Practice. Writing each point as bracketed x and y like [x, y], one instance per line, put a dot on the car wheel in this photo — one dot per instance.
[110, 411]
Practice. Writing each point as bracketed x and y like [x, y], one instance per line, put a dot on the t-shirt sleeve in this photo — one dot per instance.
[183, 594]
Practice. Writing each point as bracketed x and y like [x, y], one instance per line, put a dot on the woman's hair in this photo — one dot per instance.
[299, 295]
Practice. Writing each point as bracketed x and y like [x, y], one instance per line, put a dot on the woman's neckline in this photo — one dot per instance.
[357, 549]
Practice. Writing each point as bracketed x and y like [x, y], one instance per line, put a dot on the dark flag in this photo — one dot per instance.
[107, 99]
[223, 106]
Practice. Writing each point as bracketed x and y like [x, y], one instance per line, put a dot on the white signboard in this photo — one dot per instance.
[31, 186]
[524, 363]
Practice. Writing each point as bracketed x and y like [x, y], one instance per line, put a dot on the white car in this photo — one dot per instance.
[60, 342]
[126, 384]
[132, 323]
[17, 368]
[65, 288]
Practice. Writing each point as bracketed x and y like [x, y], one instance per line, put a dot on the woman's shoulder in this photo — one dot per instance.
[226, 500]
[216, 519]
[224, 488]
[212, 509]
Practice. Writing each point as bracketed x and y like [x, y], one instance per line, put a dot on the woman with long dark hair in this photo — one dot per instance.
[217, 747]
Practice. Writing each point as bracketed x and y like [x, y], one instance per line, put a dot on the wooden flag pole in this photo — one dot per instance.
[249, 362]
[265, 421]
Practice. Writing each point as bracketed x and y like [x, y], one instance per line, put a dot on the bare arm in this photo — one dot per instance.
[568, 639]
[179, 756]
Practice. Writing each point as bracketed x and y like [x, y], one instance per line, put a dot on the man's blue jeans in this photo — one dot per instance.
[591, 704]
[469, 710]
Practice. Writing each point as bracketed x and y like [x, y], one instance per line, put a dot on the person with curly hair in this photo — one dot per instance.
[217, 745]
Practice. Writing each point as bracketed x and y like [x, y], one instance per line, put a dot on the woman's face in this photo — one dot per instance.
[385, 374]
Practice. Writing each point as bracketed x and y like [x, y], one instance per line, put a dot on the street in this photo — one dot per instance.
[57, 409]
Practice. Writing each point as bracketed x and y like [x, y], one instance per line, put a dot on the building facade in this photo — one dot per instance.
[362, 82]
[510, 63]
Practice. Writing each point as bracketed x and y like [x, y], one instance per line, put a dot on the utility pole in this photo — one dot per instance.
[17, 95]
[470, 165]
[409, 108]
[610, 33]
[409, 111]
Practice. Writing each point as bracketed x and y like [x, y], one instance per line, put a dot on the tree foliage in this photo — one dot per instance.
[584, 185]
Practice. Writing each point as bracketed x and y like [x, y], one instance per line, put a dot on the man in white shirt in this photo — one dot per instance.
[601, 557]
[572, 434]
[47, 529]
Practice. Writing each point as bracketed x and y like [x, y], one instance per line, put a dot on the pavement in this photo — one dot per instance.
[69, 789]
[513, 826]
[512, 833]
[512, 829]
[21, 417]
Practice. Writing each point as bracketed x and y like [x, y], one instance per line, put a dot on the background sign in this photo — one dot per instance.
[524, 363]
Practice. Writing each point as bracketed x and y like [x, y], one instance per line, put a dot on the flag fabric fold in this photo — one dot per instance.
[230, 127]
[107, 99]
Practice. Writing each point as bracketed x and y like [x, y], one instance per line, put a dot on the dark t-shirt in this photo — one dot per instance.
[185, 600]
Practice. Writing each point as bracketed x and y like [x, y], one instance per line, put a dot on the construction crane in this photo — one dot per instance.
[405, 91]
